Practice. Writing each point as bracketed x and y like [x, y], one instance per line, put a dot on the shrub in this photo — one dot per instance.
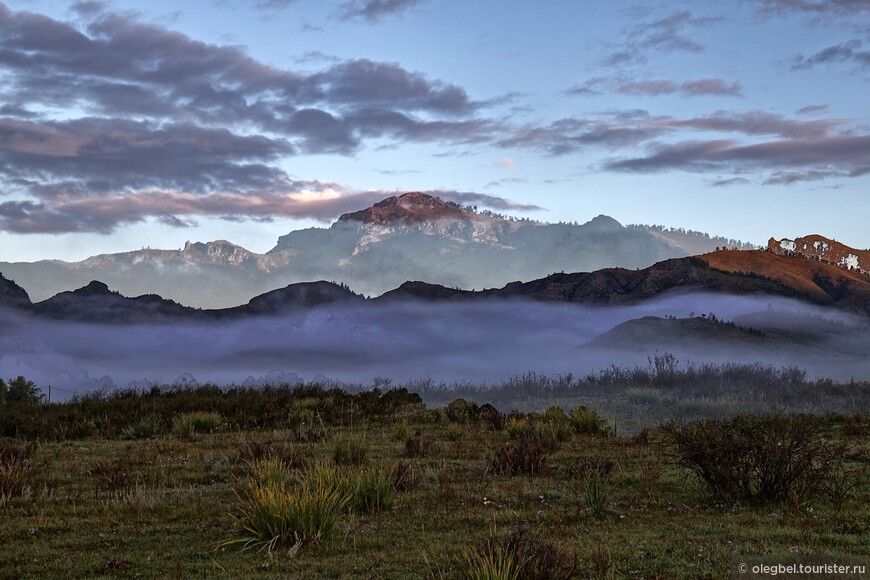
[526, 456]
[306, 425]
[349, 452]
[460, 410]
[188, 424]
[587, 422]
[491, 416]
[15, 469]
[418, 446]
[769, 458]
[251, 450]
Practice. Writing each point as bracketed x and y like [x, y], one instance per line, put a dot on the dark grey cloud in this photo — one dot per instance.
[813, 110]
[93, 156]
[850, 52]
[816, 7]
[568, 135]
[757, 123]
[375, 10]
[789, 177]
[729, 182]
[848, 155]
[212, 124]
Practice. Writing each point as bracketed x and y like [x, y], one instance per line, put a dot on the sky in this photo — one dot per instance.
[129, 124]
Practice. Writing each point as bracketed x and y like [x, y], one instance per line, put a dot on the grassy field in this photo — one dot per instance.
[153, 485]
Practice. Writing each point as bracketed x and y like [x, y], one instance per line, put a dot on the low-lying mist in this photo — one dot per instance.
[482, 341]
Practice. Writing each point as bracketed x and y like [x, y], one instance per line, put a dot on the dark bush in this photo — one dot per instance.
[525, 456]
[491, 416]
[770, 458]
[417, 445]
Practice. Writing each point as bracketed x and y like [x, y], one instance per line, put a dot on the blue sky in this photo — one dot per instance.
[128, 124]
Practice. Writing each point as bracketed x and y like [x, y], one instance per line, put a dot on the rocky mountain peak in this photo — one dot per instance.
[409, 208]
[604, 223]
[94, 288]
[820, 248]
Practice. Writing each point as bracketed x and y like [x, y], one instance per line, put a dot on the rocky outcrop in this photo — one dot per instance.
[816, 247]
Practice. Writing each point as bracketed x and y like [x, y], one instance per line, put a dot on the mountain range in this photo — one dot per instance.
[770, 305]
[414, 236]
[726, 272]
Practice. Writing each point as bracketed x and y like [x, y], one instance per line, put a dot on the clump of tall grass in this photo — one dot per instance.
[188, 424]
[493, 562]
[401, 430]
[553, 426]
[586, 422]
[454, 431]
[274, 510]
[349, 451]
[144, 428]
[15, 469]
[371, 488]
[518, 427]
[595, 485]
[518, 556]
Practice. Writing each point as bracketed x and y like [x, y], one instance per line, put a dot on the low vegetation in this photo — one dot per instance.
[320, 482]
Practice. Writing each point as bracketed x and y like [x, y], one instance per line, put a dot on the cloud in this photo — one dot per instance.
[711, 87]
[700, 87]
[374, 11]
[506, 163]
[650, 88]
[484, 199]
[211, 122]
[571, 134]
[815, 7]
[813, 110]
[274, 4]
[846, 52]
[729, 182]
[789, 177]
[669, 33]
[849, 154]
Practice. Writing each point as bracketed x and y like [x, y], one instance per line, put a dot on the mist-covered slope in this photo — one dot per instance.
[414, 236]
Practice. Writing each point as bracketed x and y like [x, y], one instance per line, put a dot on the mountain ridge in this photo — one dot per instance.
[726, 271]
[413, 236]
